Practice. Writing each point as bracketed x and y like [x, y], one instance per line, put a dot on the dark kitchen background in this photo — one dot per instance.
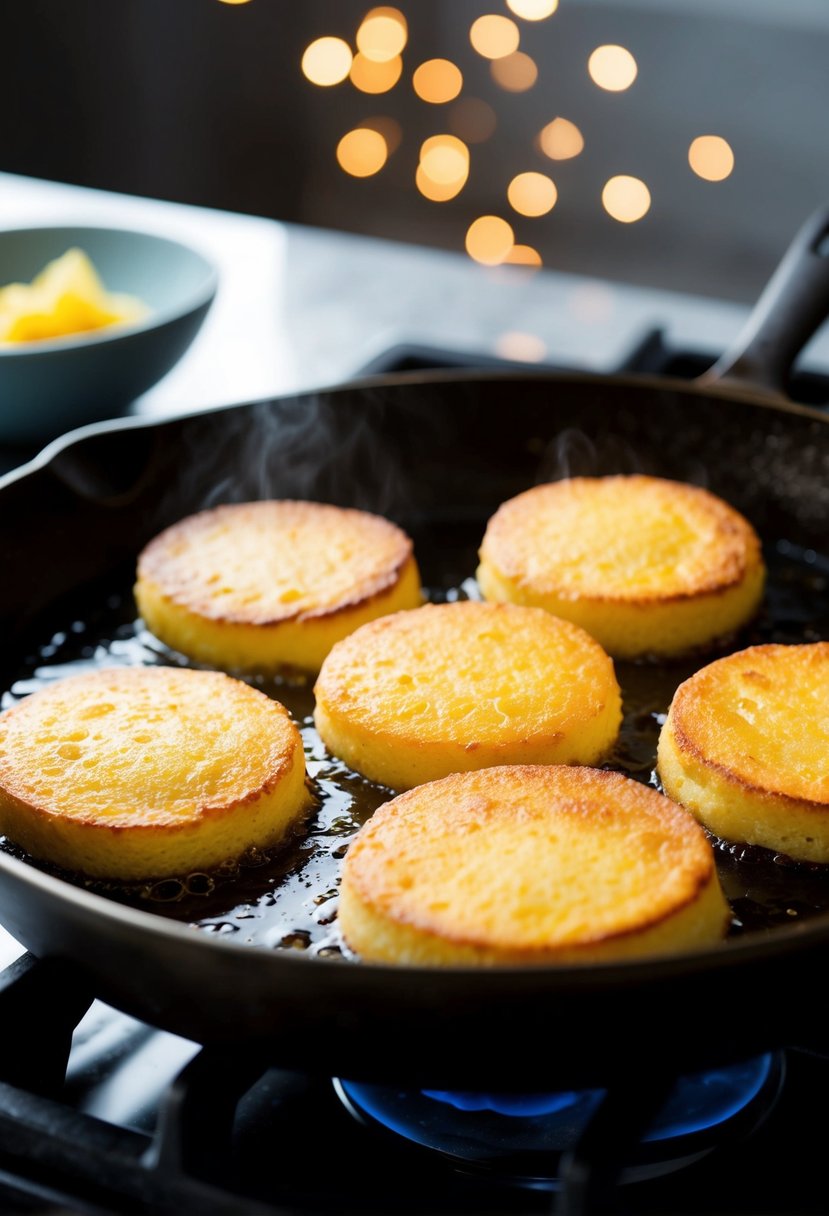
[205, 101]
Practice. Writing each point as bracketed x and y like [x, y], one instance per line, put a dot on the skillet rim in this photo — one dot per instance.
[743, 951]
[762, 398]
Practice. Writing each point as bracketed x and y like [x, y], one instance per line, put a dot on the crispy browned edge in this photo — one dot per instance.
[277, 774]
[154, 567]
[701, 881]
[719, 582]
[687, 745]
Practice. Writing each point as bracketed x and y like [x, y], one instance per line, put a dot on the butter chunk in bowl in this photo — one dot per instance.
[65, 299]
[78, 344]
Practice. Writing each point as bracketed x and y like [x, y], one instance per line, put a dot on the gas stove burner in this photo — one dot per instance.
[527, 1138]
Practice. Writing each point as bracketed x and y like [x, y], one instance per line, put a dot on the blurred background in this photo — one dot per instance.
[670, 143]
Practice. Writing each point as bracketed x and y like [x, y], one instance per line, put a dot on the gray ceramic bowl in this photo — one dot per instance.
[51, 386]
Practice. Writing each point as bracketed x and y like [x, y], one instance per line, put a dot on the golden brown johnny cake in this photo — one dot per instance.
[529, 865]
[261, 585]
[451, 687]
[745, 747]
[645, 565]
[132, 773]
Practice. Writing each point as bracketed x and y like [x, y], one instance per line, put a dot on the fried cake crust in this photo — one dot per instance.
[133, 773]
[527, 866]
[645, 565]
[744, 747]
[452, 687]
[262, 585]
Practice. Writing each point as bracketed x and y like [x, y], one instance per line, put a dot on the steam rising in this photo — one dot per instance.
[572, 453]
[314, 447]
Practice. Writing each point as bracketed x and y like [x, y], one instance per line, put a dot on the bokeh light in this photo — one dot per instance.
[370, 76]
[710, 157]
[532, 10]
[515, 73]
[489, 239]
[362, 152]
[438, 192]
[326, 61]
[382, 34]
[561, 139]
[525, 348]
[444, 159]
[626, 199]
[524, 255]
[494, 36]
[612, 68]
[532, 194]
[472, 119]
[437, 81]
[234, 1]
[443, 169]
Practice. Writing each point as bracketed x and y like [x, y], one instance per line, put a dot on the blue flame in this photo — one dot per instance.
[697, 1102]
[514, 1105]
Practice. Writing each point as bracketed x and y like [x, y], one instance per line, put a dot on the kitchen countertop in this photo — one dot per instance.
[300, 308]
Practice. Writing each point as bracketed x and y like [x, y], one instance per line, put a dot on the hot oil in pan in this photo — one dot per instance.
[288, 899]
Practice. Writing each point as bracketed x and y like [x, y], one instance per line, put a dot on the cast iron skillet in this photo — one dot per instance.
[439, 453]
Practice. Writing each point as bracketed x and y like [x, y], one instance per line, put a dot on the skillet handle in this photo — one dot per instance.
[794, 303]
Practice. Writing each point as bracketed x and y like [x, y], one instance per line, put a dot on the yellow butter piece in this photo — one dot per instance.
[73, 274]
[66, 297]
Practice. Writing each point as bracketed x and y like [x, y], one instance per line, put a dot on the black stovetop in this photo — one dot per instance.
[292, 1147]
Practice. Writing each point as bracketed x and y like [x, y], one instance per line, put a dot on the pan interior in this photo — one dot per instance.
[287, 900]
